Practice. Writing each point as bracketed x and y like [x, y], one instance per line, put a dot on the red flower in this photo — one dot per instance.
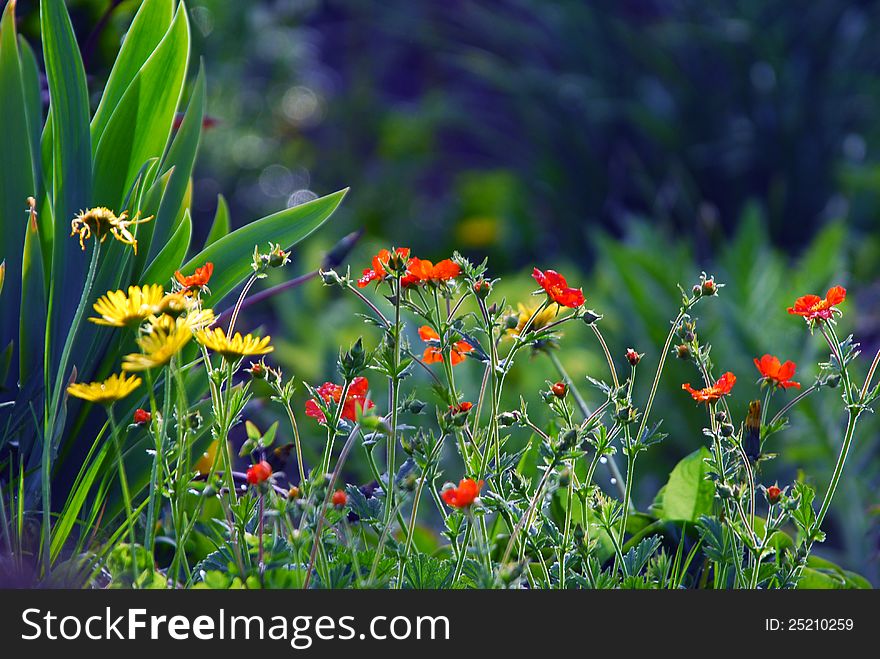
[814, 308]
[259, 473]
[633, 357]
[355, 401]
[558, 289]
[462, 496]
[380, 261]
[198, 279]
[776, 374]
[433, 354]
[461, 408]
[339, 498]
[142, 417]
[773, 493]
[559, 389]
[721, 388]
[419, 271]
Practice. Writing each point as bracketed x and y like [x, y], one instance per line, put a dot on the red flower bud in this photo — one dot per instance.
[559, 389]
[773, 494]
[259, 473]
[633, 357]
[482, 288]
[142, 417]
[339, 498]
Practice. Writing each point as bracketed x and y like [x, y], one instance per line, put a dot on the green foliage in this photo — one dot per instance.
[126, 156]
[688, 495]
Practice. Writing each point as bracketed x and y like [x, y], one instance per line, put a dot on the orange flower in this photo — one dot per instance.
[355, 401]
[721, 388]
[259, 473]
[380, 261]
[198, 279]
[461, 408]
[776, 374]
[558, 289]
[814, 308]
[419, 271]
[339, 498]
[433, 354]
[462, 496]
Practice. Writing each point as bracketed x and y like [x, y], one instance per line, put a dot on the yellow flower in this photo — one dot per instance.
[541, 320]
[196, 319]
[120, 310]
[101, 222]
[114, 388]
[206, 460]
[236, 347]
[158, 345]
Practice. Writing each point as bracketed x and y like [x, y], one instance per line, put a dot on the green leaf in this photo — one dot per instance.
[181, 159]
[17, 180]
[688, 494]
[172, 255]
[30, 73]
[231, 255]
[146, 31]
[252, 431]
[141, 124]
[32, 320]
[70, 157]
[221, 224]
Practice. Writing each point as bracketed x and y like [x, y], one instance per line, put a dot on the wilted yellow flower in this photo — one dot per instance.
[237, 346]
[541, 320]
[158, 345]
[101, 222]
[114, 388]
[118, 309]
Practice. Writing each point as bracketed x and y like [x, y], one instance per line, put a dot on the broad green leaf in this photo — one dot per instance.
[30, 74]
[146, 31]
[140, 125]
[231, 255]
[181, 159]
[150, 206]
[32, 320]
[172, 255]
[17, 180]
[71, 157]
[688, 494]
[221, 224]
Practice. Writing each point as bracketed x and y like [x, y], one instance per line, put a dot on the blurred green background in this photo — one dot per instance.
[628, 143]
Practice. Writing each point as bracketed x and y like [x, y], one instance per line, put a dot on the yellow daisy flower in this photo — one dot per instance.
[206, 460]
[541, 320]
[118, 309]
[236, 347]
[114, 388]
[158, 345]
[101, 222]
